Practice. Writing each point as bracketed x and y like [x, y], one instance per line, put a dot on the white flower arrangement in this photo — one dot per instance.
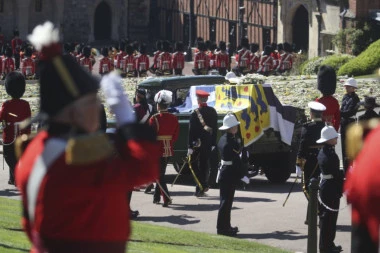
[253, 79]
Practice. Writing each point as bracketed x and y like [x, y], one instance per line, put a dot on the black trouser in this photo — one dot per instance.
[343, 128]
[17, 60]
[10, 159]
[162, 181]
[330, 197]
[222, 71]
[201, 166]
[227, 193]
[178, 72]
[214, 166]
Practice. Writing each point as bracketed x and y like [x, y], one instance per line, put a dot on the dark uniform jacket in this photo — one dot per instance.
[230, 147]
[328, 162]
[197, 131]
[349, 108]
[369, 114]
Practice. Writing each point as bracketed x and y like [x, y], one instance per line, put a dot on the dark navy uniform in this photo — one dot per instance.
[197, 132]
[369, 114]
[348, 110]
[309, 150]
[330, 192]
[230, 174]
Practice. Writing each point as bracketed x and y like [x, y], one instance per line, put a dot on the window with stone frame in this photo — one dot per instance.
[38, 5]
[1, 6]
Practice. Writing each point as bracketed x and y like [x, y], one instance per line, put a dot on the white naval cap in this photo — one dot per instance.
[316, 106]
[163, 97]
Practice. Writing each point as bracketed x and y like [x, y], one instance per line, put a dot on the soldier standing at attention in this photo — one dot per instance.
[28, 65]
[327, 86]
[130, 62]
[230, 173]
[156, 55]
[309, 149]
[348, 110]
[16, 47]
[8, 64]
[142, 61]
[254, 59]
[164, 66]
[86, 61]
[266, 62]
[178, 60]
[243, 58]
[222, 59]
[202, 139]
[105, 64]
[71, 158]
[331, 188]
[201, 60]
[167, 128]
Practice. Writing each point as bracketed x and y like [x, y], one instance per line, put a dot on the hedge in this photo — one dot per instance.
[337, 60]
[311, 66]
[364, 64]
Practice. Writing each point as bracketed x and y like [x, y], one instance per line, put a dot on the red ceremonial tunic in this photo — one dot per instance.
[119, 62]
[222, 60]
[81, 208]
[178, 60]
[105, 66]
[167, 128]
[243, 58]
[362, 186]
[8, 65]
[142, 62]
[12, 111]
[266, 63]
[130, 63]
[254, 63]
[86, 62]
[165, 61]
[28, 67]
[78, 57]
[332, 113]
[275, 56]
[285, 61]
[156, 55]
[201, 61]
[212, 57]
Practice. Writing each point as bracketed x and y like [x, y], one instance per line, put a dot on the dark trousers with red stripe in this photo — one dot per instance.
[162, 181]
[330, 196]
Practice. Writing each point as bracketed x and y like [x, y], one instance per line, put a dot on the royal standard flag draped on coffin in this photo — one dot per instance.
[250, 106]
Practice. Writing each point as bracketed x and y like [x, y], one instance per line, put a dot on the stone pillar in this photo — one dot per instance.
[59, 7]
[23, 17]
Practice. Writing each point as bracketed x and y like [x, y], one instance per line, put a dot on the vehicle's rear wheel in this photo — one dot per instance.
[279, 168]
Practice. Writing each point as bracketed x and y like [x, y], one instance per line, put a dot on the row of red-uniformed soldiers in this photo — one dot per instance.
[27, 59]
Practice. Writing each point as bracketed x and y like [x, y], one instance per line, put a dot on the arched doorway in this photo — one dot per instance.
[301, 29]
[103, 22]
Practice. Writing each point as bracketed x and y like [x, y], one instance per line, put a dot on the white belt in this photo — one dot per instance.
[329, 176]
[226, 162]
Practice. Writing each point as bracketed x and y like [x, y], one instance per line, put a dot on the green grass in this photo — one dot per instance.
[145, 238]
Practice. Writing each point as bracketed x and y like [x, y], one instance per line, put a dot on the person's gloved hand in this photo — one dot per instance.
[189, 151]
[117, 99]
[298, 171]
[245, 179]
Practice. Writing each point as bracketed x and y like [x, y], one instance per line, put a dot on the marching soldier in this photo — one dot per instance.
[308, 149]
[142, 61]
[331, 189]
[201, 60]
[167, 128]
[327, 86]
[202, 139]
[16, 47]
[13, 111]
[348, 110]
[178, 60]
[243, 58]
[230, 173]
[222, 59]
[105, 64]
[71, 158]
[86, 61]
[28, 65]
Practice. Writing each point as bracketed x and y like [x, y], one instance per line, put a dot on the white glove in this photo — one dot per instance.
[117, 99]
[245, 179]
[298, 171]
[189, 151]
[212, 148]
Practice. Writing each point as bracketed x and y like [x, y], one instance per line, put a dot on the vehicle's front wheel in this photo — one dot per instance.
[279, 168]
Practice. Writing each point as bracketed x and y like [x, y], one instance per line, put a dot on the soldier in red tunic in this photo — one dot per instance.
[72, 174]
[28, 66]
[86, 60]
[178, 60]
[255, 58]
[2, 39]
[119, 62]
[327, 86]
[156, 55]
[16, 47]
[164, 65]
[142, 61]
[243, 58]
[222, 59]
[266, 62]
[105, 64]
[201, 60]
[212, 55]
[285, 59]
[130, 62]
[8, 64]
[12, 112]
[167, 128]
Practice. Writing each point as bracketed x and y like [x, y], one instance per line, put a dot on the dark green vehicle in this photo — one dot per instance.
[268, 154]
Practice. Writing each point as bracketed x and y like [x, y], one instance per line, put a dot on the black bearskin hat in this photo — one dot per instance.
[267, 50]
[16, 33]
[62, 79]
[159, 45]
[129, 49]
[244, 42]
[28, 52]
[8, 52]
[166, 46]
[280, 47]
[15, 84]
[142, 48]
[208, 44]
[105, 51]
[254, 47]
[86, 51]
[222, 45]
[201, 46]
[122, 45]
[287, 47]
[326, 80]
[179, 46]
[213, 46]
